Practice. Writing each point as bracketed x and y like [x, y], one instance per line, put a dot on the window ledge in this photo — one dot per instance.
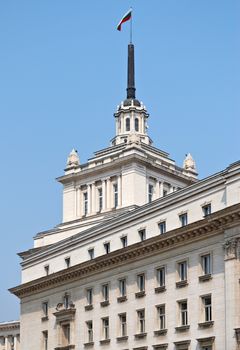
[160, 332]
[44, 318]
[160, 346]
[182, 328]
[88, 344]
[140, 335]
[65, 347]
[160, 289]
[140, 294]
[88, 307]
[181, 284]
[104, 303]
[206, 324]
[122, 299]
[123, 338]
[105, 341]
[205, 278]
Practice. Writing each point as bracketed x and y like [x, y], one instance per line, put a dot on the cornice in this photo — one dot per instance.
[10, 326]
[211, 225]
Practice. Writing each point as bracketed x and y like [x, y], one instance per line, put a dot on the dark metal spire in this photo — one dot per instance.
[131, 78]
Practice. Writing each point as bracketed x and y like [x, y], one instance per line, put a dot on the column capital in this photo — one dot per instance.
[231, 248]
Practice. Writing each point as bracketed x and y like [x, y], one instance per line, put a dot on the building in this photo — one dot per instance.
[147, 255]
[10, 335]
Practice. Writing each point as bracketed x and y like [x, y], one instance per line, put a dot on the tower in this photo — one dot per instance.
[131, 116]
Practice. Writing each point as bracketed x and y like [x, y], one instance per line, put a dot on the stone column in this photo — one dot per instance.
[104, 194]
[15, 342]
[89, 198]
[109, 192]
[232, 305]
[6, 343]
[93, 198]
[157, 189]
[119, 182]
[161, 189]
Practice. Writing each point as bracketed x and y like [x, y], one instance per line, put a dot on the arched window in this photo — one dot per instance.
[127, 124]
[136, 124]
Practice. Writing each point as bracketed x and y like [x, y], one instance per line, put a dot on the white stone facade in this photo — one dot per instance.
[147, 256]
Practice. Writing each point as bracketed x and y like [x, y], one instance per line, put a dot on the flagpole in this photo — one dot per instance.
[131, 27]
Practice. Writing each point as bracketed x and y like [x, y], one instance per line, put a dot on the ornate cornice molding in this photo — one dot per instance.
[232, 248]
[213, 224]
[10, 326]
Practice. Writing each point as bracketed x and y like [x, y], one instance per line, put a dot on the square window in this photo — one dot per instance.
[141, 282]
[105, 326]
[206, 210]
[207, 306]
[183, 313]
[161, 274]
[124, 241]
[89, 296]
[122, 287]
[142, 234]
[161, 316]
[91, 253]
[89, 325]
[183, 219]
[182, 270]
[105, 292]
[206, 264]
[162, 227]
[107, 247]
[123, 324]
[141, 321]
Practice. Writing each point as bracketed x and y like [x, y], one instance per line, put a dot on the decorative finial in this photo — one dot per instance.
[189, 163]
[73, 159]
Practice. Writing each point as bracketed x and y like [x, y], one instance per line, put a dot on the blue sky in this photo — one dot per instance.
[62, 74]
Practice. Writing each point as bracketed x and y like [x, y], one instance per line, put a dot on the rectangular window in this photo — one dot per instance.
[142, 234]
[85, 203]
[89, 325]
[45, 340]
[123, 324]
[150, 193]
[100, 199]
[67, 262]
[105, 292]
[115, 195]
[66, 334]
[206, 210]
[105, 325]
[183, 313]
[182, 270]
[46, 269]
[183, 219]
[45, 308]
[141, 321]
[91, 253]
[206, 264]
[161, 272]
[106, 247]
[141, 282]
[124, 241]
[161, 316]
[162, 227]
[89, 295]
[207, 305]
[122, 287]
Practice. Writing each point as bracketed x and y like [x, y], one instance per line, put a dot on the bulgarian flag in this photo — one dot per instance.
[125, 18]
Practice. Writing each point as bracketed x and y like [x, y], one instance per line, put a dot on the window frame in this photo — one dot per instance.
[183, 218]
[180, 263]
[142, 234]
[158, 269]
[105, 328]
[161, 316]
[183, 313]
[123, 324]
[141, 318]
[89, 328]
[141, 282]
[162, 227]
[107, 247]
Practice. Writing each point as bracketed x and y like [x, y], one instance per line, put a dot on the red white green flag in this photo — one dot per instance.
[125, 18]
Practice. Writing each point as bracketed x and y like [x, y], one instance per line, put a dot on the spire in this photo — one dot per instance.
[131, 78]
